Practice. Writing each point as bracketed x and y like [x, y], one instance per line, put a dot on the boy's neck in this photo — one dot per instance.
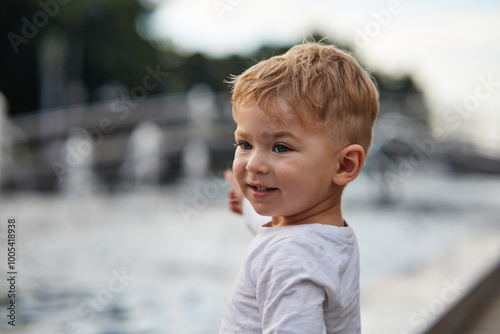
[328, 215]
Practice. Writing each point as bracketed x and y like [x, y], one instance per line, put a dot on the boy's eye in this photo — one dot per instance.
[244, 145]
[281, 148]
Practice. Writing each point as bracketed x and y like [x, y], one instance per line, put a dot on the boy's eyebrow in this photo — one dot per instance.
[272, 135]
[284, 133]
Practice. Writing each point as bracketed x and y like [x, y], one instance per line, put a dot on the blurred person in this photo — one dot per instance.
[304, 125]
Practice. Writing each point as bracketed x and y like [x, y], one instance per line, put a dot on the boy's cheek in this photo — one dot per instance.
[238, 169]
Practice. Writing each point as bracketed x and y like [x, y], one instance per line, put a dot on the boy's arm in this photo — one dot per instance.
[252, 219]
[294, 308]
[234, 195]
[240, 205]
[291, 289]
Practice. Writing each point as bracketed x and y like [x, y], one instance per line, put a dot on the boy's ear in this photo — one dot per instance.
[350, 161]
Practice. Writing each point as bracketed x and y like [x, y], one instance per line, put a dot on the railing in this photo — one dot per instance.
[466, 310]
[39, 141]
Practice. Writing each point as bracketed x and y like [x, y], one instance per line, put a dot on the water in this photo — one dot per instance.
[196, 159]
[80, 181]
[164, 260]
[142, 165]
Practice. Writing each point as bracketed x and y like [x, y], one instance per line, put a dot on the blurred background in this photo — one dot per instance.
[116, 127]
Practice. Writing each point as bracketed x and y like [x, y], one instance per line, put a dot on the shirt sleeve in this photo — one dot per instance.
[290, 286]
[252, 219]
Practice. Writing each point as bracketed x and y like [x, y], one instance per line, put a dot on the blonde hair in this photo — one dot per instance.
[321, 83]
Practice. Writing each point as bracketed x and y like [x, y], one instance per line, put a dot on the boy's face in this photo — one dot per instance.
[284, 169]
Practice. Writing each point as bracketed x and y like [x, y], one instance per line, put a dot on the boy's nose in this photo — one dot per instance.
[257, 164]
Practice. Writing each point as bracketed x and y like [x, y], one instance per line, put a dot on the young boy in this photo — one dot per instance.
[304, 125]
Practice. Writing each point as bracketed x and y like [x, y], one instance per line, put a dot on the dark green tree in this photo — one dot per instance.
[91, 42]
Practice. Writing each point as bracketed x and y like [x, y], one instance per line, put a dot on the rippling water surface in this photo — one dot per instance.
[164, 260]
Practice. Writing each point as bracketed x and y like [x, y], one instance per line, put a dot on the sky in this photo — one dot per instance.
[451, 48]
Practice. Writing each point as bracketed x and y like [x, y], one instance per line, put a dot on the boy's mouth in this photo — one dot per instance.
[261, 188]
[259, 191]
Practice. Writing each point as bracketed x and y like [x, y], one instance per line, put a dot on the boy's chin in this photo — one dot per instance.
[263, 210]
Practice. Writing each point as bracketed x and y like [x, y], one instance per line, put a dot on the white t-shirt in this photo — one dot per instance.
[252, 219]
[297, 279]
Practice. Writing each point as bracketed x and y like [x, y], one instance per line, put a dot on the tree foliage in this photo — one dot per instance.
[47, 46]
[98, 37]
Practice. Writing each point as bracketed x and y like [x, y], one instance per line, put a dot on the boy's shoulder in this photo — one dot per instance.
[303, 253]
[312, 242]
[307, 234]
